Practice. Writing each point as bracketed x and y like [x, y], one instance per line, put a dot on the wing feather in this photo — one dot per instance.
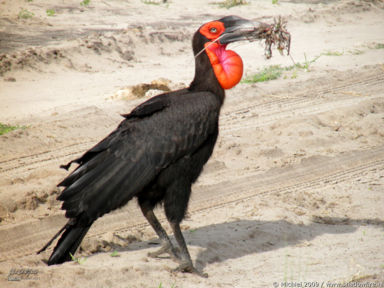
[131, 157]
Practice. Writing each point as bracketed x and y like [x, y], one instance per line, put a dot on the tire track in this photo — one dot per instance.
[371, 79]
[301, 104]
[231, 120]
[301, 108]
[26, 238]
[31, 161]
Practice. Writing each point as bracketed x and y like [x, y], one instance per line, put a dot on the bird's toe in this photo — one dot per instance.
[187, 267]
[173, 252]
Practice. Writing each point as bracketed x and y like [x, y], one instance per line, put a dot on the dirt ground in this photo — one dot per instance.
[294, 193]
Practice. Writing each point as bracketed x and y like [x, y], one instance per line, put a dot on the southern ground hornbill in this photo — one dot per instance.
[158, 150]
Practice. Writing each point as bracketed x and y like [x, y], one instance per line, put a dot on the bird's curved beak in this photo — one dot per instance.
[240, 29]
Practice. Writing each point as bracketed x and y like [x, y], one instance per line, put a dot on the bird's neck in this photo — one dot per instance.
[205, 79]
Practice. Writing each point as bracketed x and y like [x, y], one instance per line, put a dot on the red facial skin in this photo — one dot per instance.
[227, 64]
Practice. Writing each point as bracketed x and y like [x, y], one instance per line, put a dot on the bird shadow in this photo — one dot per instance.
[245, 237]
[236, 239]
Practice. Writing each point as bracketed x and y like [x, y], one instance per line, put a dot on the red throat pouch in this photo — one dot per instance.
[227, 64]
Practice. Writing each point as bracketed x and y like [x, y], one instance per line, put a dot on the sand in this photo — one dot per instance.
[294, 191]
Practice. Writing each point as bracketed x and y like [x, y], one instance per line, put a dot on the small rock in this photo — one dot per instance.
[153, 92]
[3, 213]
[10, 79]
[9, 204]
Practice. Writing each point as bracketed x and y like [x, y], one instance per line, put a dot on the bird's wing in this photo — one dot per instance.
[145, 109]
[126, 161]
[149, 107]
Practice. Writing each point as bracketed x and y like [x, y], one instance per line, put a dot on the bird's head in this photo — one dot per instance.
[212, 39]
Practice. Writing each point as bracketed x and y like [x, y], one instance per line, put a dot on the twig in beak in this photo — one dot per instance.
[276, 34]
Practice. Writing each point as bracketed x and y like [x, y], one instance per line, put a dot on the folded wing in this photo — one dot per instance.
[153, 136]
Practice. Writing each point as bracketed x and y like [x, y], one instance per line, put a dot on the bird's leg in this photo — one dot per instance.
[175, 206]
[166, 244]
[186, 264]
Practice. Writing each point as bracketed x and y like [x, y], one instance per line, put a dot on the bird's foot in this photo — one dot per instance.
[187, 267]
[166, 248]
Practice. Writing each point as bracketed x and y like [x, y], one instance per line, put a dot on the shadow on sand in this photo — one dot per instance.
[253, 236]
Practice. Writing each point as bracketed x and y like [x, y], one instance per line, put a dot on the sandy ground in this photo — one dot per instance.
[294, 192]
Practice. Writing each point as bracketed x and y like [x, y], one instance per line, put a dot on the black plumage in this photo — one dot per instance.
[155, 154]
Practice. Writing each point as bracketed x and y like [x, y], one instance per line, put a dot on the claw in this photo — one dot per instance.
[166, 248]
[189, 268]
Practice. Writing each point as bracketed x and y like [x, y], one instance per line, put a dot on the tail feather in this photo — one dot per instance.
[53, 238]
[68, 242]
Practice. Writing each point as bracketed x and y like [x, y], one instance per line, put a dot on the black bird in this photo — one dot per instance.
[158, 150]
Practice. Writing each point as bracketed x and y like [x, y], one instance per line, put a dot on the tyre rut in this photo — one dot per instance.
[26, 238]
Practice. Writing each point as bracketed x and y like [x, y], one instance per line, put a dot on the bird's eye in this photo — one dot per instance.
[213, 30]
